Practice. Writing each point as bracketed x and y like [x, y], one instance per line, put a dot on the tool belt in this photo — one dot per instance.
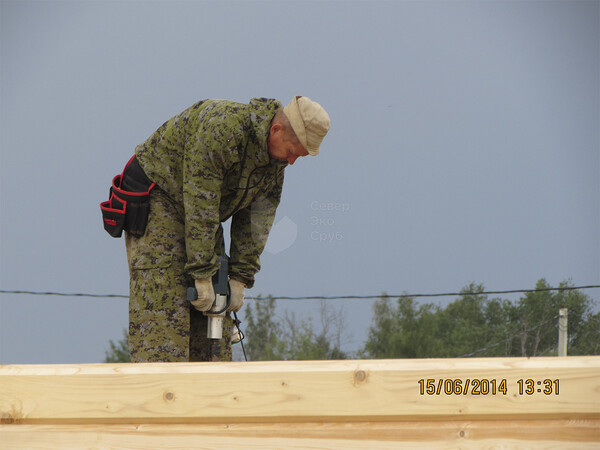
[128, 204]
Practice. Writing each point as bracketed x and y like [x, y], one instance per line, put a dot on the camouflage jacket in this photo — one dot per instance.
[212, 160]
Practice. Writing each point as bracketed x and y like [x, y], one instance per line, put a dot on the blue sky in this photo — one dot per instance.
[464, 148]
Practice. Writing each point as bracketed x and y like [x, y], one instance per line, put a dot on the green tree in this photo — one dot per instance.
[535, 322]
[302, 342]
[586, 339]
[270, 337]
[471, 323]
[429, 331]
[119, 352]
[474, 325]
[263, 331]
[404, 331]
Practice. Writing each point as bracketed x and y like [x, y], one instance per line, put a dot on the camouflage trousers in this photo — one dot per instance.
[163, 326]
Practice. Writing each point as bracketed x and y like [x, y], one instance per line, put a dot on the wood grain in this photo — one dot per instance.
[309, 404]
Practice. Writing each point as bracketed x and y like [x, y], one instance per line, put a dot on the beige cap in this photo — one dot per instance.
[309, 121]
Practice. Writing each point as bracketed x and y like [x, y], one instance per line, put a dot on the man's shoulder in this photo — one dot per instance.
[264, 106]
[228, 119]
[260, 107]
[217, 118]
[220, 108]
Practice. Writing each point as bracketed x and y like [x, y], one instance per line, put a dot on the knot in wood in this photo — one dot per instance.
[360, 376]
[7, 419]
[169, 396]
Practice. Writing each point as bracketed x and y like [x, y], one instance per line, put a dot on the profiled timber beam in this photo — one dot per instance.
[392, 435]
[308, 391]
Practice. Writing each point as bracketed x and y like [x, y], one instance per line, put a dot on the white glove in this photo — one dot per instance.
[236, 289]
[206, 295]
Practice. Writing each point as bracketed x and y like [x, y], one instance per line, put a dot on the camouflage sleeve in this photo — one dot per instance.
[250, 229]
[212, 151]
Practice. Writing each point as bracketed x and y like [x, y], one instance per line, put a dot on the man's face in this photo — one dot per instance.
[282, 148]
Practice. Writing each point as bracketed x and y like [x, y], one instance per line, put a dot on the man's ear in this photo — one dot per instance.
[276, 127]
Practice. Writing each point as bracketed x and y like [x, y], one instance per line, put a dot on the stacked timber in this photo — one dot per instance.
[433, 403]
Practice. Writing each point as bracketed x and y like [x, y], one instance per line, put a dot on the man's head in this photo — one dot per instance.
[297, 130]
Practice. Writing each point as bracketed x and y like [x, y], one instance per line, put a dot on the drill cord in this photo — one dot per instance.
[242, 335]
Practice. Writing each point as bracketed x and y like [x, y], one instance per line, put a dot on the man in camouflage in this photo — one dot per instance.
[214, 161]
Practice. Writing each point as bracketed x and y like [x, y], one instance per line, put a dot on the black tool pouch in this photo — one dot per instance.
[128, 204]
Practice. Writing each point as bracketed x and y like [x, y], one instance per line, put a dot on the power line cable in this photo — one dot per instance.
[322, 297]
[64, 294]
[445, 294]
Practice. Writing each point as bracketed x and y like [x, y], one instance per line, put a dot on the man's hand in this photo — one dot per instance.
[206, 295]
[237, 295]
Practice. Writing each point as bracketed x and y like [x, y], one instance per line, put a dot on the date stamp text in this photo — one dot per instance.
[485, 386]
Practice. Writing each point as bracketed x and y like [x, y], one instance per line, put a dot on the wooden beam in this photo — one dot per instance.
[374, 402]
[278, 391]
[530, 434]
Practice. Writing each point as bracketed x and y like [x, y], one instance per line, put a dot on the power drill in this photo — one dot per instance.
[216, 313]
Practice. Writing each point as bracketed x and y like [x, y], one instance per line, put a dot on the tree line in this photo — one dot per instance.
[471, 325]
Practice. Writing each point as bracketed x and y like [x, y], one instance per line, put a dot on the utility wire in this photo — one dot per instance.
[445, 294]
[337, 297]
[466, 355]
[64, 294]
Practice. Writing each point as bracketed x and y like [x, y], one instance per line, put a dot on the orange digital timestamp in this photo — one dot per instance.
[487, 386]
[459, 386]
[546, 386]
